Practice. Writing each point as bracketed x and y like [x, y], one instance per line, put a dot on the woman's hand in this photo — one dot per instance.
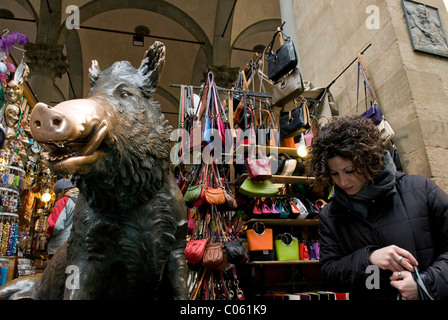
[405, 284]
[393, 258]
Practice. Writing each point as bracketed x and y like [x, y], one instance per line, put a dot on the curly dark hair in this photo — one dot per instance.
[353, 138]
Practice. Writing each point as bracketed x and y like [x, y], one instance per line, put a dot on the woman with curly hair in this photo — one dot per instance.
[377, 216]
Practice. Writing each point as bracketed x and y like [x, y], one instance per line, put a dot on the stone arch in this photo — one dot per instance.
[29, 7]
[265, 25]
[162, 7]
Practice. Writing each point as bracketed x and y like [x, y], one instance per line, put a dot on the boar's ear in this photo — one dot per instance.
[151, 68]
[94, 72]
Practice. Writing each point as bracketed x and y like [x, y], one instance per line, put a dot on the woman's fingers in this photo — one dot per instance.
[405, 259]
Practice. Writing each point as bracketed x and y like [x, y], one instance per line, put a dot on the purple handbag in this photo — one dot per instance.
[374, 114]
[316, 248]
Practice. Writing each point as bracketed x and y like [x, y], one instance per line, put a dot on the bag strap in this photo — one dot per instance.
[283, 37]
[421, 284]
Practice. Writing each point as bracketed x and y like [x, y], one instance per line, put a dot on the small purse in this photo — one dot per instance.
[386, 131]
[235, 252]
[193, 193]
[214, 196]
[283, 60]
[194, 250]
[213, 257]
[373, 113]
[288, 88]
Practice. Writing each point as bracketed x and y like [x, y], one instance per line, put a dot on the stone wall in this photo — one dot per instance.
[410, 86]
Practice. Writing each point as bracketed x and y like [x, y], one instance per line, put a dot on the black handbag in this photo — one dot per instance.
[235, 252]
[294, 122]
[282, 61]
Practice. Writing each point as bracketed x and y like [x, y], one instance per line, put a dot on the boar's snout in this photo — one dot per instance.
[49, 124]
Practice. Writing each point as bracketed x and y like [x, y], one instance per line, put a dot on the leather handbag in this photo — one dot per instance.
[214, 256]
[286, 247]
[215, 196]
[294, 122]
[194, 250]
[287, 88]
[260, 238]
[258, 188]
[193, 193]
[259, 169]
[235, 252]
[283, 60]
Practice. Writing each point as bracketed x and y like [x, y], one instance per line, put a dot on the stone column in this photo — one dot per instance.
[287, 14]
[46, 62]
[45, 57]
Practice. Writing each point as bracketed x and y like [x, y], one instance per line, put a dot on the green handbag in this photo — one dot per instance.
[258, 188]
[193, 193]
[287, 247]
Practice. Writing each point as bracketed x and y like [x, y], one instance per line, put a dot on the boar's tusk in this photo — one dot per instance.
[96, 140]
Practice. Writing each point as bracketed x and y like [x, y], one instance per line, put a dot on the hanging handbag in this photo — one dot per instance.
[194, 250]
[213, 256]
[258, 189]
[286, 247]
[246, 126]
[235, 251]
[373, 113]
[214, 196]
[258, 169]
[295, 122]
[283, 60]
[288, 88]
[193, 193]
[386, 131]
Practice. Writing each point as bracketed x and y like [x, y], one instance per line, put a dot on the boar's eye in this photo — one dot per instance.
[125, 94]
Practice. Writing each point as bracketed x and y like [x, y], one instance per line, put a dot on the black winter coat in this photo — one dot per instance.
[413, 215]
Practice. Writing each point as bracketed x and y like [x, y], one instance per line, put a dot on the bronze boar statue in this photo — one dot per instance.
[129, 227]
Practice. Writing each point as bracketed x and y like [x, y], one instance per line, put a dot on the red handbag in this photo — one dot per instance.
[259, 169]
[303, 250]
[194, 250]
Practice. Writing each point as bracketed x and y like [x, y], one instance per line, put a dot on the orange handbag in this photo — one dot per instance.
[260, 238]
[214, 196]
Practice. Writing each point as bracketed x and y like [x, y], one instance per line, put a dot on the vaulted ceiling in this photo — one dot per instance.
[199, 35]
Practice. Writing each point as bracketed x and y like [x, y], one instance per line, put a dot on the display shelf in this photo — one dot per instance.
[243, 148]
[281, 179]
[275, 262]
[284, 222]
